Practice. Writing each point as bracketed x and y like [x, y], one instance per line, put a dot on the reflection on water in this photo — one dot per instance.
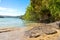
[11, 22]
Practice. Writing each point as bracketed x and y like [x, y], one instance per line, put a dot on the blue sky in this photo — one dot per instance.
[13, 7]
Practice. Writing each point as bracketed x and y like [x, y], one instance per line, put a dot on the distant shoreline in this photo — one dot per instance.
[9, 16]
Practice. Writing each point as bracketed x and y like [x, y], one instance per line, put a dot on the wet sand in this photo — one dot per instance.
[11, 34]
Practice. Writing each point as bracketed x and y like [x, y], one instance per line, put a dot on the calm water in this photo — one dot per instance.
[11, 22]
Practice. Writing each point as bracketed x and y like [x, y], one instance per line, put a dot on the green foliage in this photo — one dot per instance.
[43, 10]
[54, 7]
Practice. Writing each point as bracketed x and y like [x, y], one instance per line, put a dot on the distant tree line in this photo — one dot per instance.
[43, 11]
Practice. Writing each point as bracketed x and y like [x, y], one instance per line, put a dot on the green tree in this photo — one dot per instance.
[46, 10]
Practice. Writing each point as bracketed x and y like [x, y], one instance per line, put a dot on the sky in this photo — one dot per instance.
[13, 7]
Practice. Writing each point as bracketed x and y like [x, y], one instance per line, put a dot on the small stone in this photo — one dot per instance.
[34, 36]
[50, 33]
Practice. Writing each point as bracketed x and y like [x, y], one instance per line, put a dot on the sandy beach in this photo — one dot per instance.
[19, 33]
[11, 34]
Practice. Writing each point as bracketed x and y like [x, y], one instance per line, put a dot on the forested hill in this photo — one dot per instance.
[9, 16]
[43, 11]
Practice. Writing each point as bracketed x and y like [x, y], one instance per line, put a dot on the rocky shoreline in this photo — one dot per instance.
[44, 30]
[40, 30]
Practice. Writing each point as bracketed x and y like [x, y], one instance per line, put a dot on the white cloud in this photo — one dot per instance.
[9, 11]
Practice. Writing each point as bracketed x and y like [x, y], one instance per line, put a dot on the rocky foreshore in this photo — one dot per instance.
[43, 31]
[39, 31]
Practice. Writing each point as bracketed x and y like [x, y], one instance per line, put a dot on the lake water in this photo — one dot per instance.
[12, 22]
